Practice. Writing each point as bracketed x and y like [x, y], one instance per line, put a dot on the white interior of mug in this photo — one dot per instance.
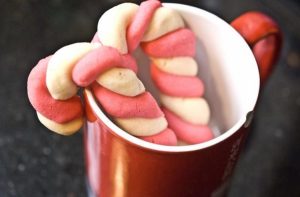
[227, 67]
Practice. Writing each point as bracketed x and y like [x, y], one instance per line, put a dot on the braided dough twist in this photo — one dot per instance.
[107, 66]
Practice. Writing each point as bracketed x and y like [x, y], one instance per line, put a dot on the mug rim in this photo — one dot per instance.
[157, 147]
[176, 149]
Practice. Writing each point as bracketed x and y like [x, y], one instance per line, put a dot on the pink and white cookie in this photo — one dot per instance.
[107, 67]
[62, 116]
[174, 71]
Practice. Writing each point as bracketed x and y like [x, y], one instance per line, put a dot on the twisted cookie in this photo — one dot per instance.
[107, 66]
[174, 71]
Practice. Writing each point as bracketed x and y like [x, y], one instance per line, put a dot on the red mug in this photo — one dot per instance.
[121, 165]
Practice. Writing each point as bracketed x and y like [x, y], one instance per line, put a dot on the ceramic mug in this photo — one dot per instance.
[121, 165]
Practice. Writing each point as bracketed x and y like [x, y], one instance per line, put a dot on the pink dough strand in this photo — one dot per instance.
[140, 23]
[60, 111]
[181, 42]
[98, 61]
[175, 85]
[119, 106]
[187, 132]
[166, 137]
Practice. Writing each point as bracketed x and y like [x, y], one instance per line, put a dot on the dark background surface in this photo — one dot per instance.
[36, 162]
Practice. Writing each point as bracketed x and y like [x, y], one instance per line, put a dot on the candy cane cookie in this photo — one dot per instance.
[108, 68]
[166, 38]
[138, 114]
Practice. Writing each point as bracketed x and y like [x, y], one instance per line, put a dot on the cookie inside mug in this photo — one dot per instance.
[227, 67]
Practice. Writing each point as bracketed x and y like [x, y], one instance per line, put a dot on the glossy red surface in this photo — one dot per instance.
[264, 37]
[118, 168]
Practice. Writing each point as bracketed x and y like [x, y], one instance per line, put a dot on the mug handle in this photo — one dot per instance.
[264, 37]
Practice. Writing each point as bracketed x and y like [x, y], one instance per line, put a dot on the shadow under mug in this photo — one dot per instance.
[121, 165]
